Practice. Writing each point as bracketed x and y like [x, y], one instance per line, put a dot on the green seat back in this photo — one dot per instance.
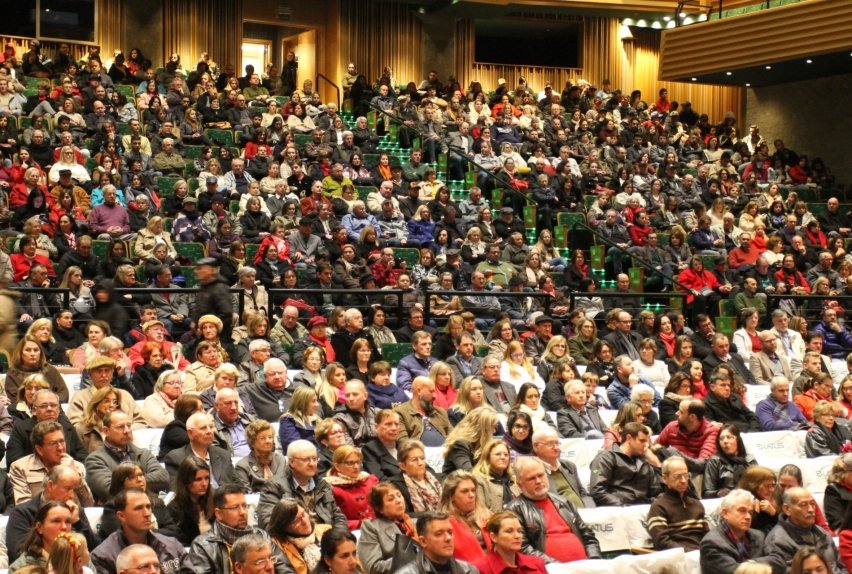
[194, 251]
[394, 352]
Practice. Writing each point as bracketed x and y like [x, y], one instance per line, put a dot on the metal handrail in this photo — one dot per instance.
[335, 86]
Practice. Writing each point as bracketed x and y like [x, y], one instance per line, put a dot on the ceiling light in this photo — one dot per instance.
[656, 25]
[748, 85]
[688, 20]
[667, 18]
[768, 67]
[627, 22]
[694, 79]
[642, 23]
[729, 73]
[671, 24]
[809, 61]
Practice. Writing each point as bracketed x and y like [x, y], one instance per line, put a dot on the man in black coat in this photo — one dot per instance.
[343, 339]
[213, 297]
[720, 352]
[47, 408]
[723, 406]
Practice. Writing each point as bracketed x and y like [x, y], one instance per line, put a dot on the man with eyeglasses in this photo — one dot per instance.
[211, 552]
[27, 474]
[118, 447]
[733, 541]
[564, 478]
[167, 555]
[676, 517]
[201, 431]
[300, 482]
[768, 362]
[254, 554]
[498, 393]
[46, 407]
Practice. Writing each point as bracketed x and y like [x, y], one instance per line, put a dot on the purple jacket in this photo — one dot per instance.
[835, 345]
[775, 416]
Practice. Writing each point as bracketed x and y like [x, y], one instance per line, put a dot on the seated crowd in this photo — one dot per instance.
[291, 395]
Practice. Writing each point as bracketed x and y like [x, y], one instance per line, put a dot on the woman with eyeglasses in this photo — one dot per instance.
[351, 485]
[519, 434]
[496, 482]
[264, 463]
[158, 410]
[23, 408]
[760, 482]
[418, 484]
[293, 531]
[192, 507]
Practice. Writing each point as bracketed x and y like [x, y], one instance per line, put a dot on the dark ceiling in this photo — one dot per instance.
[781, 71]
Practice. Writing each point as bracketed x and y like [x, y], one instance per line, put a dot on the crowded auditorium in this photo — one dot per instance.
[327, 303]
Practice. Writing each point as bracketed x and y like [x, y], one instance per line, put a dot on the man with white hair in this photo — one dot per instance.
[732, 541]
[168, 161]
[777, 411]
[137, 558]
[552, 527]
[251, 370]
[300, 482]
[271, 396]
[564, 478]
[343, 339]
[201, 430]
[356, 415]
[356, 221]
[110, 220]
[230, 423]
[288, 330]
[577, 419]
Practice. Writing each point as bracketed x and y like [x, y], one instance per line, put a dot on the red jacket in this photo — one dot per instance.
[700, 443]
[794, 279]
[352, 497]
[466, 542]
[697, 281]
[491, 563]
[639, 234]
[21, 265]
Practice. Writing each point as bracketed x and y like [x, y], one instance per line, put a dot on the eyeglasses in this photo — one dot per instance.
[235, 507]
[352, 463]
[337, 432]
[55, 443]
[47, 406]
[550, 443]
[260, 562]
[304, 458]
[681, 476]
[149, 566]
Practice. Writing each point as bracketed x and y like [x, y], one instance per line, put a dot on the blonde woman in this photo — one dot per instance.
[23, 409]
[299, 422]
[464, 444]
[496, 483]
[91, 429]
[468, 515]
[152, 235]
[471, 394]
[517, 369]
[330, 389]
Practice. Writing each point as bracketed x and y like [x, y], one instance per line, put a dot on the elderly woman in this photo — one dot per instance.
[145, 376]
[417, 483]
[90, 429]
[468, 515]
[351, 485]
[496, 484]
[381, 393]
[29, 358]
[199, 376]
[390, 531]
[826, 437]
[329, 435]
[264, 463]
[158, 409]
[293, 531]
[255, 297]
[150, 236]
[311, 374]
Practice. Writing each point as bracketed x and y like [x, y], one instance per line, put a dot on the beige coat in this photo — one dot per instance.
[156, 413]
[27, 477]
[198, 377]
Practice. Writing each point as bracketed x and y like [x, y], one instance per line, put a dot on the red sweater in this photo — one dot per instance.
[466, 542]
[493, 564]
[700, 443]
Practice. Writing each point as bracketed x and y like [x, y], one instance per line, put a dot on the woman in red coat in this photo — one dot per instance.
[703, 296]
[468, 516]
[351, 485]
[506, 535]
[22, 262]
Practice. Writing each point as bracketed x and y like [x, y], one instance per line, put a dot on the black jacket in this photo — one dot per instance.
[622, 480]
[20, 445]
[378, 461]
[532, 522]
[323, 503]
[731, 411]
[213, 298]
[174, 437]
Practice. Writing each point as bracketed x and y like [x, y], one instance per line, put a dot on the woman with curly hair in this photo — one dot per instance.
[464, 444]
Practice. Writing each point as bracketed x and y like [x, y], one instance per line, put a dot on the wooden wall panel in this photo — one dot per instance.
[191, 27]
[797, 30]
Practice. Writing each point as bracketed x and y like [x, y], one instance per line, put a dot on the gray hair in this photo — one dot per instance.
[543, 432]
[196, 418]
[247, 543]
[245, 271]
[256, 344]
[124, 560]
[639, 390]
[110, 343]
[298, 446]
[524, 461]
[735, 496]
[669, 462]
[571, 385]
[274, 361]
[777, 380]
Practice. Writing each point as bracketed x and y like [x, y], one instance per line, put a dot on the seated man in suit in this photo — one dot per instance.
[577, 419]
[723, 406]
[720, 352]
[564, 478]
[768, 362]
[732, 541]
[201, 431]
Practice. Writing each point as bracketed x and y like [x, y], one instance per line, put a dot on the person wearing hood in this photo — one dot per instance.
[108, 309]
[213, 297]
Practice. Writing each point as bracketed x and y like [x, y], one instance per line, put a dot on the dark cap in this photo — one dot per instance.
[218, 197]
[453, 252]
[64, 172]
[317, 320]
[516, 280]
[211, 261]
[507, 211]
[365, 278]
[720, 260]
[543, 319]
[211, 179]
